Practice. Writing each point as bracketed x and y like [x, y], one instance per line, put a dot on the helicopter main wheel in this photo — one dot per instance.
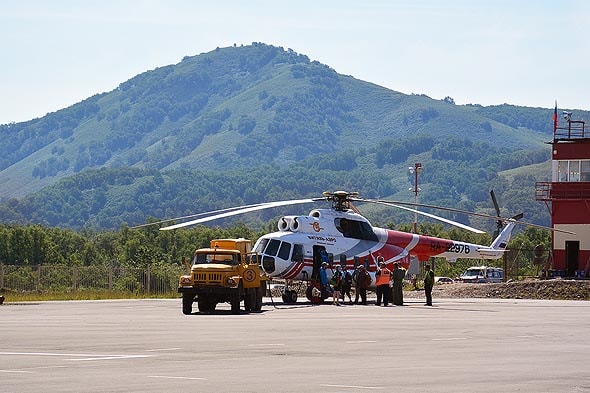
[290, 297]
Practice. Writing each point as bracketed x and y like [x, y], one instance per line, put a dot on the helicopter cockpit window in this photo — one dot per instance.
[285, 250]
[272, 247]
[260, 246]
[355, 229]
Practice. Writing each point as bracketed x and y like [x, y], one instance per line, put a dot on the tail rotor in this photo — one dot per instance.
[499, 223]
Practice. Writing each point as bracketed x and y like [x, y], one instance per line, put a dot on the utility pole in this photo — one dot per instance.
[417, 168]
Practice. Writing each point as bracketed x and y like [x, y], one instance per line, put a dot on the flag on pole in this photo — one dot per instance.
[555, 118]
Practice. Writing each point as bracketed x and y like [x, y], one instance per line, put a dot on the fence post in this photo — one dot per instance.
[38, 285]
[148, 278]
[1, 275]
[110, 279]
[75, 278]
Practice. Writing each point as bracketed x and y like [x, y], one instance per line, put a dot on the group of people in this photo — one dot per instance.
[389, 284]
[340, 285]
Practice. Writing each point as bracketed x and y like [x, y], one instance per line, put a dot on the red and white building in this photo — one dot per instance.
[568, 197]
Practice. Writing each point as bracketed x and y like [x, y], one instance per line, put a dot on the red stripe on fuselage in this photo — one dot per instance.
[294, 271]
[425, 247]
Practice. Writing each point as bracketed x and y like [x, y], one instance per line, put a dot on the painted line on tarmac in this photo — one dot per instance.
[354, 387]
[361, 342]
[163, 349]
[449, 339]
[29, 370]
[267, 345]
[170, 377]
[113, 357]
[76, 356]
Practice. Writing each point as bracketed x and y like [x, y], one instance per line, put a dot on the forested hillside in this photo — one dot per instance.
[259, 123]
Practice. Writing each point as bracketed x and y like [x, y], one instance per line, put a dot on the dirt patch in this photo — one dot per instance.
[528, 289]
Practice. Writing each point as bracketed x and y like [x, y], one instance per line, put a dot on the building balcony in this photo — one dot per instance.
[550, 191]
[575, 130]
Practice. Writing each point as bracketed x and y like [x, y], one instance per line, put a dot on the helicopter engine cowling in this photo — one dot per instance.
[289, 224]
[284, 223]
[294, 225]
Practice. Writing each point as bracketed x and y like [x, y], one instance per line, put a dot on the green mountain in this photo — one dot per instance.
[254, 123]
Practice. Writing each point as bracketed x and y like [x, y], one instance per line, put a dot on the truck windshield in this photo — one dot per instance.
[228, 259]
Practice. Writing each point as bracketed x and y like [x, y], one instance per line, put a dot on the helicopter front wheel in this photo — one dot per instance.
[289, 297]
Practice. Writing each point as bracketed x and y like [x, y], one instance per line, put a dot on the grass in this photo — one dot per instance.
[38, 296]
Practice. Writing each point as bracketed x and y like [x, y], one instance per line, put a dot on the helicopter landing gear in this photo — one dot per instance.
[289, 296]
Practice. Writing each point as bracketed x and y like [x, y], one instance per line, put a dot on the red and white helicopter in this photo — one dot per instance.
[294, 251]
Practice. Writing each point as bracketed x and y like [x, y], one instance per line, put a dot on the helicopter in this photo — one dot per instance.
[297, 249]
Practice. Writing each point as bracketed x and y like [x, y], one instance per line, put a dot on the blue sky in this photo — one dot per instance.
[530, 53]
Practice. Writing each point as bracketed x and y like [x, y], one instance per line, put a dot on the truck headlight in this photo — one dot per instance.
[231, 282]
[185, 280]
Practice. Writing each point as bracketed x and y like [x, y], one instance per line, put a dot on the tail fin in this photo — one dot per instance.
[503, 238]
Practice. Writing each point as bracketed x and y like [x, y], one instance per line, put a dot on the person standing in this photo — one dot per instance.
[363, 281]
[398, 284]
[325, 286]
[337, 285]
[346, 285]
[382, 278]
[428, 284]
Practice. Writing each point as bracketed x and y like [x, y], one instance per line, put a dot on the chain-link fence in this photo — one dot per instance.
[151, 280]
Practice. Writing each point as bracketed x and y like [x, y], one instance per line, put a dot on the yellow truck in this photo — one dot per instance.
[229, 272]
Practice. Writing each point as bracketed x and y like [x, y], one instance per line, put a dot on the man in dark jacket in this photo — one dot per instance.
[398, 284]
[363, 281]
[428, 284]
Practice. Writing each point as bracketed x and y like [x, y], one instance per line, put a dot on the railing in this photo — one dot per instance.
[548, 191]
[574, 130]
[149, 280]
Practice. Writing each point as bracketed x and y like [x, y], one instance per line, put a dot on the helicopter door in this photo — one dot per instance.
[317, 261]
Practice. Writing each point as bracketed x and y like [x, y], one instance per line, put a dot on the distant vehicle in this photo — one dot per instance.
[482, 274]
[443, 280]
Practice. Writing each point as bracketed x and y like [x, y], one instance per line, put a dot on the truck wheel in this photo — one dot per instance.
[249, 299]
[187, 303]
[235, 303]
[206, 305]
[258, 303]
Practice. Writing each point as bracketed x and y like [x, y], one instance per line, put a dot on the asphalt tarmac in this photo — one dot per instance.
[459, 345]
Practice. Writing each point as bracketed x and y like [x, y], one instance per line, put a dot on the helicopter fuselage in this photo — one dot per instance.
[346, 238]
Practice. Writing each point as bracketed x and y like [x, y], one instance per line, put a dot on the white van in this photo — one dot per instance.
[482, 274]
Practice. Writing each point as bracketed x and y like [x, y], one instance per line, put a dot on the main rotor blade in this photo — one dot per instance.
[455, 223]
[261, 206]
[196, 215]
[450, 209]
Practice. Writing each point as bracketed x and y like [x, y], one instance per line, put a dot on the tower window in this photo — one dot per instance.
[573, 170]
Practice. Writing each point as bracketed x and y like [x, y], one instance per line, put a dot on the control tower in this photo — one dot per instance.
[567, 196]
